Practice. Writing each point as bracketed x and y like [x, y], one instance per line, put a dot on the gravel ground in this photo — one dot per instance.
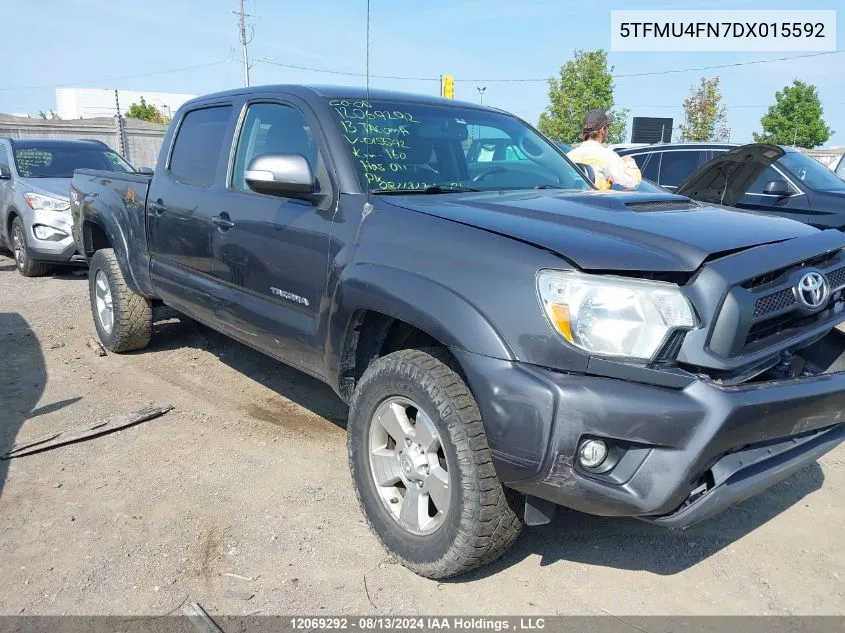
[240, 499]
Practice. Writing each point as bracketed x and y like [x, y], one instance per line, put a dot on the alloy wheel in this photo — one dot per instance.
[408, 465]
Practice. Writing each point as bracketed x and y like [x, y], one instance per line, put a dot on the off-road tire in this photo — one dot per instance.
[26, 266]
[133, 314]
[480, 525]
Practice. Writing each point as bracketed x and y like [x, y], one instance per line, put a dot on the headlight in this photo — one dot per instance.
[46, 203]
[613, 316]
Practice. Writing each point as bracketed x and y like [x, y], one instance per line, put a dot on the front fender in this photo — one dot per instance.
[426, 304]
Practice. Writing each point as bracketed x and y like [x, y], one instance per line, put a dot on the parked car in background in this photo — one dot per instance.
[508, 338]
[564, 147]
[669, 164]
[35, 175]
[772, 179]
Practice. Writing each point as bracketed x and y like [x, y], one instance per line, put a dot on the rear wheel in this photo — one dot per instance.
[124, 320]
[27, 266]
[422, 468]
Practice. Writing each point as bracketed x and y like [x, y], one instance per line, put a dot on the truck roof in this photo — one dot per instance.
[308, 92]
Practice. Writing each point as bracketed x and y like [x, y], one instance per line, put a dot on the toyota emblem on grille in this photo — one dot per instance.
[812, 291]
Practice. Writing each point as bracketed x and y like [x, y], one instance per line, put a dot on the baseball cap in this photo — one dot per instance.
[595, 120]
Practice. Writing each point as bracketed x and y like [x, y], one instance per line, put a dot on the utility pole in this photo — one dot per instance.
[121, 129]
[481, 90]
[244, 41]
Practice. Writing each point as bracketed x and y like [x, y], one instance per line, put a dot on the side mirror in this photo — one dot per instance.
[280, 174]
[777, 188]
[588, 171]
[147, 171]
[5, 174]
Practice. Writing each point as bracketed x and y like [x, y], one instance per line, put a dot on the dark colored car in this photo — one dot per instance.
[669, 164]
[494, 326]
[774, 180]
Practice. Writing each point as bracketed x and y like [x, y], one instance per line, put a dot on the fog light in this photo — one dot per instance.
[48, 233]
[592, 453]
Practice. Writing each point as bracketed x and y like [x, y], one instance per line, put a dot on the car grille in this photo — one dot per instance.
[782, 299]
[762, 312]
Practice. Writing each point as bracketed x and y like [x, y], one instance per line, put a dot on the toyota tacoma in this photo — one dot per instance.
[508, 339]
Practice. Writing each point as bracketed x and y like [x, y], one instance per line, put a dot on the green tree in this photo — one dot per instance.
[585, 83]
[146, 112]
[705, 118]
[795, 118]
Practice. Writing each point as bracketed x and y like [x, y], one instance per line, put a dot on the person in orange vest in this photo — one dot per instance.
[610, 169]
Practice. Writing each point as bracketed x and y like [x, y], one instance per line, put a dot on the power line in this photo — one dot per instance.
[673, 70]
[748, 63]
[409, 78]
[346, 73]
[94, 81]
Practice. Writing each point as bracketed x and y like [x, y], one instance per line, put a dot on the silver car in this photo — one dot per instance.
[35, 221]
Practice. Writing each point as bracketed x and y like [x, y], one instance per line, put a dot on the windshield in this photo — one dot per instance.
[52, 160]
[400, 146]
[811, 172]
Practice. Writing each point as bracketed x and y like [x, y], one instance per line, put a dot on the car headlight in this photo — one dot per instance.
[613, 316]
[46, 203]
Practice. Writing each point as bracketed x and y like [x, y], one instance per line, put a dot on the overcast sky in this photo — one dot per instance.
[98, 43]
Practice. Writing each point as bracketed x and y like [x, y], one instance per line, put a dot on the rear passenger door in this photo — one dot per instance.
[183, 199]
[676, 165]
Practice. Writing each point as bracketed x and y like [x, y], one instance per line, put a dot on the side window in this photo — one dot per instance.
[649, 164]
[765, 178]
[199, 144]
[840, 168]
[272, 128]
[676, 166]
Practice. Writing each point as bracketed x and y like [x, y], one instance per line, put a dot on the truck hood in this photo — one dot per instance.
[56, 187]
[609, 230]
[726, 178]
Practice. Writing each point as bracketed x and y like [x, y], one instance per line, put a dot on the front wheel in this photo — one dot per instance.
[124, 320]
[422, 468]
[27, 266]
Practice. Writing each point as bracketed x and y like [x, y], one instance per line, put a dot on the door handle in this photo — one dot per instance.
[157, 208]
[222, 222]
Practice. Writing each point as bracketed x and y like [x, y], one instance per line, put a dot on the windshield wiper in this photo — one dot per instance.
[550, 187]
[431, 189]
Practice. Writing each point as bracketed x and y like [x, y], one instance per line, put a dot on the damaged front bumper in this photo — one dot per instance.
[676, 456]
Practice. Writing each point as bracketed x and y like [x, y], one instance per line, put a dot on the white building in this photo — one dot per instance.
[87, 103]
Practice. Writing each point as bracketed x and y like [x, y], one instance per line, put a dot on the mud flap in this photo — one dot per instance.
[538, 511]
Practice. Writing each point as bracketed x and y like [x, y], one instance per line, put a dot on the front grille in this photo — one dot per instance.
[836, 278]
[774, 302]
[661, 205]
[783, 299]
[762, 312]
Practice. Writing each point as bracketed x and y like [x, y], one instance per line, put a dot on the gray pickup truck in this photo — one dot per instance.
[508, 339]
